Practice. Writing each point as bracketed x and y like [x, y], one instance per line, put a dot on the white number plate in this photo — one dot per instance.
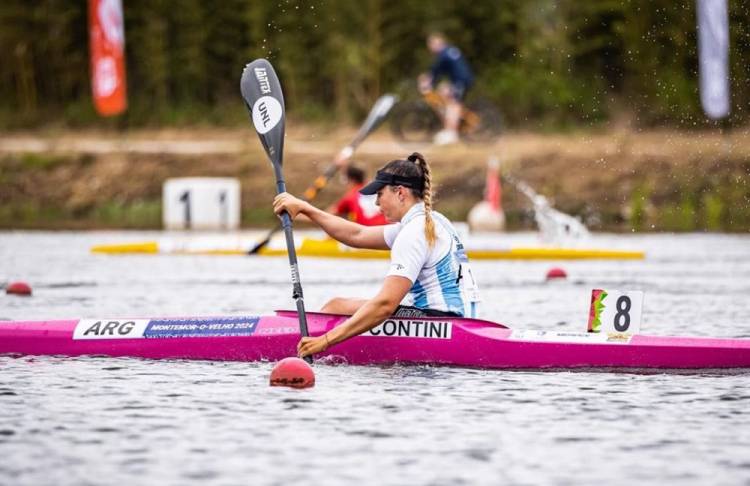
[616, 311]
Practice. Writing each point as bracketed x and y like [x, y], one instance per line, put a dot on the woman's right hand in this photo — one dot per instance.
[290, 204]
[308, 346]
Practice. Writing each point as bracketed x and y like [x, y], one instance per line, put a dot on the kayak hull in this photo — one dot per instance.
[424, 341]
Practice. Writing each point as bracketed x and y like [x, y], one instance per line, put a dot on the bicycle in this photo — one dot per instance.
[418, 120]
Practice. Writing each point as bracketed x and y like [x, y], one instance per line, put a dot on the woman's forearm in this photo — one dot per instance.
[372, 313]
[369, 315]
[337, 228]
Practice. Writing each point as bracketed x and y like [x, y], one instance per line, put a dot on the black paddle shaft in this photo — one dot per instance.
[286, 223]
[264, 99]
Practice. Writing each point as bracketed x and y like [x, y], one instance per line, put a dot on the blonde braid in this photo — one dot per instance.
[429, 223]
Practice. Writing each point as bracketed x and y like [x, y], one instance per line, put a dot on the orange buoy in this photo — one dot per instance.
[18, 288]
[556, 273]
[294, 373]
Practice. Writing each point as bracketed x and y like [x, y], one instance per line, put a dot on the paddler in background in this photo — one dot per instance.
[429, 274]
[354, 205]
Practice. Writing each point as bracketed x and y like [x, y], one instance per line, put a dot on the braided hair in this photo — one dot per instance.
[416, 166]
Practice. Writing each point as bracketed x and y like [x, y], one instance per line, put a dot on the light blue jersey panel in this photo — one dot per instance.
[438, 271]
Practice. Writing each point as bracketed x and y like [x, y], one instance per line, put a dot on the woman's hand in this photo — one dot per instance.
[290, 204]
[312, 345]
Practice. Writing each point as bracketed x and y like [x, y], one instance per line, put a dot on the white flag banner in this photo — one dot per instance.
[713, 54]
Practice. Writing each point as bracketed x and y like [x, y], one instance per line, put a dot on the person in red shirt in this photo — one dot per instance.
[355, 206]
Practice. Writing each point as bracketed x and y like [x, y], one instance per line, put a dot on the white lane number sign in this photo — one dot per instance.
[615, 311]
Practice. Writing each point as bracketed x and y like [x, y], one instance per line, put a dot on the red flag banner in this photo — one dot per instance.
[107, 36]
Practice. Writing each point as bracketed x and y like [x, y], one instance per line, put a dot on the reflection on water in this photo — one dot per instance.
[128, 421]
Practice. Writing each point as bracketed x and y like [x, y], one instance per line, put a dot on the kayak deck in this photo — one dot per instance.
[419, 341]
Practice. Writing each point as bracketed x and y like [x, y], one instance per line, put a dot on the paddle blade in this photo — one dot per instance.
[376, 116]
[262, 244]
[264, 100]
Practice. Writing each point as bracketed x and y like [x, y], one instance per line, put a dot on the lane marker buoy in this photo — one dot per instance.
[18, 288]
[294, 373]
[555, 273]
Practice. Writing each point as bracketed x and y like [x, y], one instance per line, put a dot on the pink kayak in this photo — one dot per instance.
[423, 341]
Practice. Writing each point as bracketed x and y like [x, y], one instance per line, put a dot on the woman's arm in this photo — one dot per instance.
[372, 313]
[347, 232]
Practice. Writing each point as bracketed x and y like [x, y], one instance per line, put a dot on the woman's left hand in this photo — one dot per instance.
[290, 204]
[311, 345]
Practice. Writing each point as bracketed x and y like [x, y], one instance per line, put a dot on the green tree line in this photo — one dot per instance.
[544, 62]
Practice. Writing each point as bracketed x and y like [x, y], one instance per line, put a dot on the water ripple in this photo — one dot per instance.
[105, 421]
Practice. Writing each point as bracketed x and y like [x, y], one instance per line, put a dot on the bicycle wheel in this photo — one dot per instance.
[482, 123]
[414, 121]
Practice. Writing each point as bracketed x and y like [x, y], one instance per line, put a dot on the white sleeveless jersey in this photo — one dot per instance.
[441, 277]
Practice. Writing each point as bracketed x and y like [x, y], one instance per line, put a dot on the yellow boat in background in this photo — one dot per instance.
[328, 248]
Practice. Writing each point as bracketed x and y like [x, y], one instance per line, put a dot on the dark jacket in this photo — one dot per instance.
[451, 63]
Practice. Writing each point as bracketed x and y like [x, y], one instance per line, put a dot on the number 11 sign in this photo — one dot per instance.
[615, 311]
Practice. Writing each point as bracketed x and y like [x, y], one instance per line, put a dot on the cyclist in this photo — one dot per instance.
[450, 63]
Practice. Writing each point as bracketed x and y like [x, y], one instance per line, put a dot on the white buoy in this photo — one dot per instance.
[202, 203]
[488, 215]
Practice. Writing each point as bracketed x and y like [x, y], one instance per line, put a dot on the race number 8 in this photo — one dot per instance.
[622, 318]
[615, 311]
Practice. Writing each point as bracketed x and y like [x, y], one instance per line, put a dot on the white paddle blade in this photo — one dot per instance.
[383, 105]
[377, 115]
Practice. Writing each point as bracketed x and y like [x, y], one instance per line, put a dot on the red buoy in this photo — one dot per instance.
[294, 373]
[556, 273]
[18, 288]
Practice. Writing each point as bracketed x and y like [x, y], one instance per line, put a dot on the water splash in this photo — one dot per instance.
[555, 227]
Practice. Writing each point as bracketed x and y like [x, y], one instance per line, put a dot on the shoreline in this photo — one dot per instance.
[615, 180]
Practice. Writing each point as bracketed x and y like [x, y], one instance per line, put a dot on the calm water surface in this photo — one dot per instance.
[66, 421]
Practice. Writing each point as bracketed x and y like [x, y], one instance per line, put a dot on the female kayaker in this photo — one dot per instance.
[429, 273]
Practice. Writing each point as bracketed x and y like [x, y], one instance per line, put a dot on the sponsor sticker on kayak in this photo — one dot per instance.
[273, 331]
[110, 328]
[412, 328]
[570, 337]
[165, 328]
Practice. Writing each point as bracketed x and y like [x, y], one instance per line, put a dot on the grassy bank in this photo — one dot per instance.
[621, 181]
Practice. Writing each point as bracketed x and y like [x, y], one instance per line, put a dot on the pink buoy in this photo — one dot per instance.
[18, 288]
[556, 273]
[294, 373]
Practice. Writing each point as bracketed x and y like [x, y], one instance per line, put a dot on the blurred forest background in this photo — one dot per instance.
[548, 64]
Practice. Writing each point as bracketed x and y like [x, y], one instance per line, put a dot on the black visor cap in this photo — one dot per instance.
[383, 179]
